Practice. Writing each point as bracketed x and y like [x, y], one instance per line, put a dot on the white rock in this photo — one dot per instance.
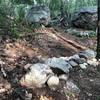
[65, 58]
[53, 81]
[94, 59]
[83, 66]
[63, 77]
[37, 76]
[93, 62]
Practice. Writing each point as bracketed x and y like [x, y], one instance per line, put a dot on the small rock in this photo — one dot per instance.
[53, 81]
[63, 77]
[2, 90]
[79, 61]
[83, 66]
[64, 58]
[82, 55]
[19, 94]
[1, 62]
[93, 62]
[89, 94]
[27, 66]
[76, 56]
[72, 87]
[88, 54]
[83, 59]
[73, 63]
[3, 72]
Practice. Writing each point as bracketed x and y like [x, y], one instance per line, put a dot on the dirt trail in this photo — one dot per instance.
[29, 48]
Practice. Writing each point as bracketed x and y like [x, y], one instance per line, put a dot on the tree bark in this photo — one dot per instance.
[64, 14]
[98, 32]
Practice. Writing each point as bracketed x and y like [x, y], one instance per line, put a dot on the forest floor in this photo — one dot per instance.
[43, 43]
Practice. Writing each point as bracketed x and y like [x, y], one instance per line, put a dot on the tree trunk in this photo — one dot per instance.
[98, 32]
[64, 14]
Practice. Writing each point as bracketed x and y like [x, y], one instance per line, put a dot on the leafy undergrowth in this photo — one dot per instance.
[29, 49]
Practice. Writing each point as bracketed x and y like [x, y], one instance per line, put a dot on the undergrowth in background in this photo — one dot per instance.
[12, 12]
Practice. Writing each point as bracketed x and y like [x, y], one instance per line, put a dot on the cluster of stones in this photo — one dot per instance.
[42, 73]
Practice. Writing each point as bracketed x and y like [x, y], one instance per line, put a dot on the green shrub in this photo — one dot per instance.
[8, 25]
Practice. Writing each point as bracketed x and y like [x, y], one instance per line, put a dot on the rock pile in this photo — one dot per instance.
[47, 72]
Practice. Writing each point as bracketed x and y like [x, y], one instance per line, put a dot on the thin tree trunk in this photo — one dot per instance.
[62, 9]
[64, 14]
[98, 32]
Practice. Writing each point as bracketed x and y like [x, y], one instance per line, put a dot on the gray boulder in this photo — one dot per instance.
[38, 14]
[85, 18]
[58, 63]
[87, 54]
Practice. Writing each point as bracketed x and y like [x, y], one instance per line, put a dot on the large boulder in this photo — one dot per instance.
[58, 63]
[38, 14]
[37, 76]
[85, 18]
